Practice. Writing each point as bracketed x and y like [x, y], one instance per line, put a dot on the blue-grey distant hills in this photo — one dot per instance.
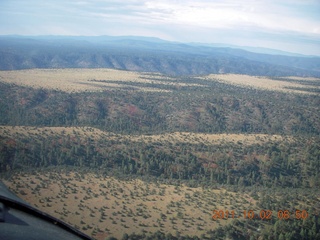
[149, 54]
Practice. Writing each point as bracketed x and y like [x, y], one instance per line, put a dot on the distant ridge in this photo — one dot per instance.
[253, 49]
[147, 54]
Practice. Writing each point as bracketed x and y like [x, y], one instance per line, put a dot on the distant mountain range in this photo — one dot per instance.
[150, 55]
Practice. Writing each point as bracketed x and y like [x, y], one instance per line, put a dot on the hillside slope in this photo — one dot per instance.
[146, 55]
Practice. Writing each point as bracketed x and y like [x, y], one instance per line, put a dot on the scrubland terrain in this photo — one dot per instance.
[145, 154]
[104, 206]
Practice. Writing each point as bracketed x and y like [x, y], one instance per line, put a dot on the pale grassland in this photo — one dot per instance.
[104, 206]
[16, 132]
[196, 138]
[83, 79]
[301, 78]
[80, 80]
[263, 82]
[26, 131]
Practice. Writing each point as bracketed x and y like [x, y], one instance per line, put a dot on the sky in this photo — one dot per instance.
[288, 25]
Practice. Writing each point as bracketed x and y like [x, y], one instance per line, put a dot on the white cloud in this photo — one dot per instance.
[263, 15]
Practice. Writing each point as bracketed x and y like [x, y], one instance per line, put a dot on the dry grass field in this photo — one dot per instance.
[17, 132]
[265, 83]
[25, 131]
[211, 139]
[104, 206]
[82, 79]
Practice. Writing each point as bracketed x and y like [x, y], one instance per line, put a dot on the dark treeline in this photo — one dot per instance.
[271, 164]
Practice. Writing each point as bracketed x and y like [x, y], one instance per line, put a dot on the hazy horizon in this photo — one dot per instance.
[290, 26]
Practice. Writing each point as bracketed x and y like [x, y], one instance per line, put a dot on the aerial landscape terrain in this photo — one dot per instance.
[136, 154]
[160, 120]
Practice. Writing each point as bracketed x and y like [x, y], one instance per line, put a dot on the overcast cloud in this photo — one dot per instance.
[290, 25]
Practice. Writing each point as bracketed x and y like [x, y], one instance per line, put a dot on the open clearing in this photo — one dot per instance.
[104, 206]
[83, 79]
[18, 132]
[284, 84]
